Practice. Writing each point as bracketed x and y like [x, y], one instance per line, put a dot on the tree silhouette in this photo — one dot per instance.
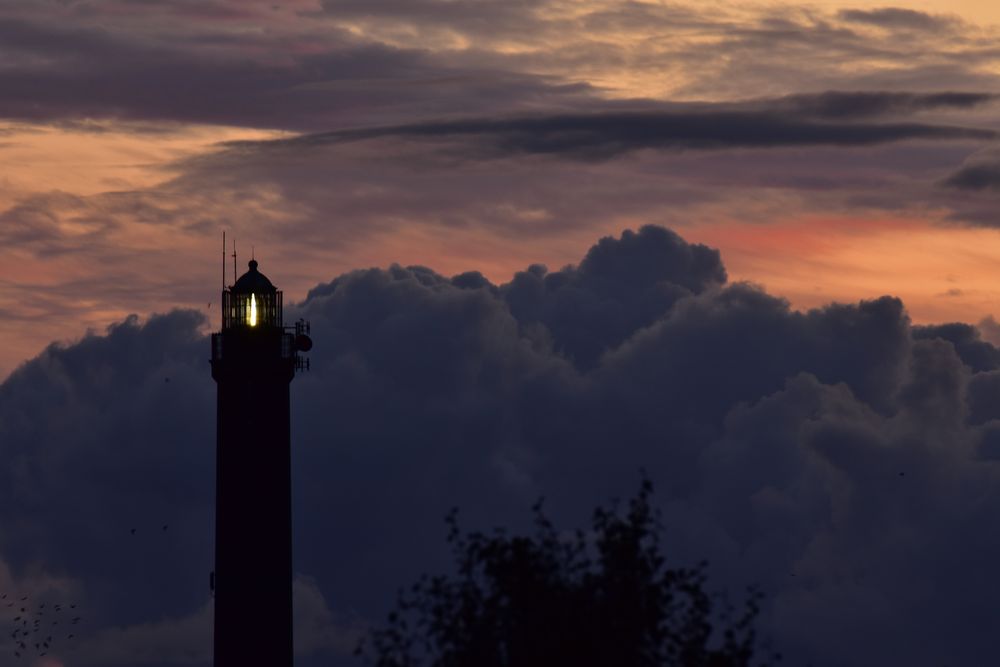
[597, 598]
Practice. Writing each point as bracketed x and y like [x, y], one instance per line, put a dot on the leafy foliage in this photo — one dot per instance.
[600, 598]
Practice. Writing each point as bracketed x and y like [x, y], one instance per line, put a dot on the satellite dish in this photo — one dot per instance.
[303, 343]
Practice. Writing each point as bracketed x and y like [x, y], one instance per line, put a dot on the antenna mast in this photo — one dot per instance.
[234, 260]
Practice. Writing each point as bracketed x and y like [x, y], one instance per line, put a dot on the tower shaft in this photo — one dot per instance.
[253, 555]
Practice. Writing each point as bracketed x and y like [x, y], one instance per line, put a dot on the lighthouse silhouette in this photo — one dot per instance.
[254, 358]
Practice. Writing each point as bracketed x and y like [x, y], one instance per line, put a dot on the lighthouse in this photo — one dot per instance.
[254, 358]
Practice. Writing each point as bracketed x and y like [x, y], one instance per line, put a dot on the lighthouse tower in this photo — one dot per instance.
[254, 358]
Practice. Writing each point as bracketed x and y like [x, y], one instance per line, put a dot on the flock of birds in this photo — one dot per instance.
[37, 628]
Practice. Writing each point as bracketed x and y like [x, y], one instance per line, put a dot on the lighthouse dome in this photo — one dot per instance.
[253, 281]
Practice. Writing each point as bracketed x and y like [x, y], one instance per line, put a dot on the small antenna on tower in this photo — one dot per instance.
[223, 260]
[234, 260]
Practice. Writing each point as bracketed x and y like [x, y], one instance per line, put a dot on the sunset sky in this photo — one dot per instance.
[845, 150]
[751, 249]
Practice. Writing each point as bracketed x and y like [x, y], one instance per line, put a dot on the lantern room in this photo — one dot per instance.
[252, 302]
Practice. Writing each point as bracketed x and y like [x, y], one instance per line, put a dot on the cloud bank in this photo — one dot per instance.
[609, 134]
[841, 458]
[307, 66]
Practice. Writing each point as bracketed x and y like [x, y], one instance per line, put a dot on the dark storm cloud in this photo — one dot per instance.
[833, 456]
[974, 352]
[605, 135]
[974, 186]
[59, 73]
[620, 287]
[898, 18]
[977, 174]
[142, 467]
[355, 63]
[860, 104]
